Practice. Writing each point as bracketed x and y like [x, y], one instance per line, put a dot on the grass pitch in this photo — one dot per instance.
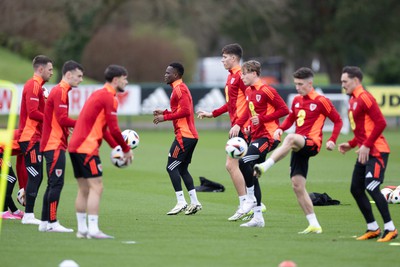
[136, 199]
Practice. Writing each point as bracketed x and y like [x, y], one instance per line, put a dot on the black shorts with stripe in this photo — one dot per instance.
[258, 149]
[32, 153]
[182, 152]
[373, 171]
[86, 166]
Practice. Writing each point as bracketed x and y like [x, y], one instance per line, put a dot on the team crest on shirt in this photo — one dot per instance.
[258, 98]
[39, 157]
[354, 105]
[297, 105]
[313, 107]
[58, 172]
[232, 80]
[99, 167]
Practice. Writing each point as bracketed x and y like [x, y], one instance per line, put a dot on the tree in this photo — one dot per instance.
[341, 32]
[84, 19]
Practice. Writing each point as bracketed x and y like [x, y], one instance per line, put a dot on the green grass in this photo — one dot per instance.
[137, 198]
[18, 70]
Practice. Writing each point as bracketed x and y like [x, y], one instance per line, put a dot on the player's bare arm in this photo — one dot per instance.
[204, 114]
[363, 154]
[157, 112]
[158, 119]
[234, 131]
[344, 147]
[330, 145]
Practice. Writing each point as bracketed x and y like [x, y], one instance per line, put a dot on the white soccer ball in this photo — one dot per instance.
[131, 138]
[395, 196]
[387, 192]
[21, 197]
[236, 147]
[117, 157]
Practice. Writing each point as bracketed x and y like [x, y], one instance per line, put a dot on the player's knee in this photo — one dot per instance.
[297, 187]
[290, 139]
[56, 182]
[169, 169]
[231, 166]
[356, 191]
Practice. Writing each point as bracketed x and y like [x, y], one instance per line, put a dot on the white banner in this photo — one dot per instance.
[129, 101]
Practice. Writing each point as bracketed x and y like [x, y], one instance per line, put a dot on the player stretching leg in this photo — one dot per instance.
[309, 111]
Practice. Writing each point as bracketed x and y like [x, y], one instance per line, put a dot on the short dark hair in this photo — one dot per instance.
[233, 49]
[178, 67]
[303, 73]
[40, 60]
[71, 65]
[353, 71]
[113, 71]
[252, 65]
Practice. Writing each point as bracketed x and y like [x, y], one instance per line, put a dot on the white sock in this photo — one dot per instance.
[372, 226]
[180, 197]
[389, 226]
[267, 164]
[193, 197]
[250, 192]
[257, 213]
[312, 220]
[241, 200]
[93, 223]
[82, 224]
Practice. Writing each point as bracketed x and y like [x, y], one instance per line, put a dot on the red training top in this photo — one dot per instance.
[269, 106]
[97, 119]
[309, 112]
[56, 121]
[32, 107]
[182, 112]
[235, 97]
[367, 122]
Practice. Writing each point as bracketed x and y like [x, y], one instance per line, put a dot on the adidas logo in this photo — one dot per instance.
[213, 100]
[157, 100]
[255, 144]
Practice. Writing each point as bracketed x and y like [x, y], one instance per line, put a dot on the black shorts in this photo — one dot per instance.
[86, 166]
[55, 163]
[374, 169]
[179, 153]
[258, 150]
[32, 154]
[299, 159]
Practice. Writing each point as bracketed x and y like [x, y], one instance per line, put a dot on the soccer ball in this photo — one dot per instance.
[117, 157]
[395, 197]
[236, 147]
[387, 192]
[21, 197]
[131, 138]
